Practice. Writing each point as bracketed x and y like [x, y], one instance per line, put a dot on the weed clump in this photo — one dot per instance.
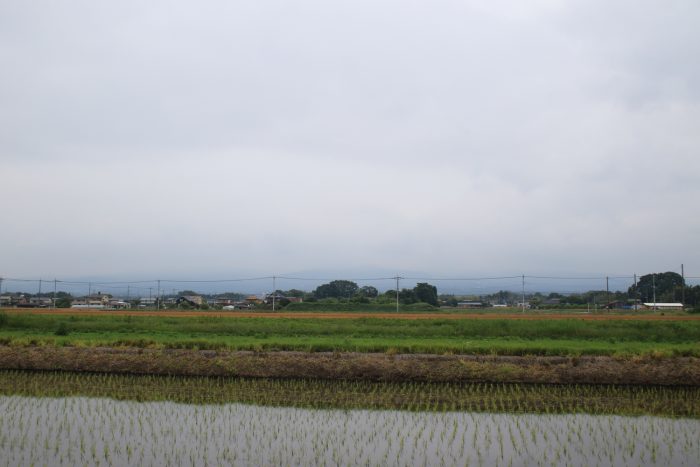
[62, 329]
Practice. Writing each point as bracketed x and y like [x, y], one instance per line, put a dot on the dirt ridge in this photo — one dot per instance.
[357, 366]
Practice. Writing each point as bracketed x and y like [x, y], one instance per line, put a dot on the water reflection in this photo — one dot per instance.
[96, 431]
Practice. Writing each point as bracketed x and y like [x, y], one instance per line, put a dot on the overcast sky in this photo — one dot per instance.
[191, 139]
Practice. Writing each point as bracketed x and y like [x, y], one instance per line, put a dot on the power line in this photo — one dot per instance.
[567, 278]
[127, 284]
[358, 279]
[460, 278]
[214, 281]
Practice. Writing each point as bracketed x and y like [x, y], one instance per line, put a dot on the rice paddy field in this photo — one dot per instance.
[106, 432]
[60, 418]
[64, 418]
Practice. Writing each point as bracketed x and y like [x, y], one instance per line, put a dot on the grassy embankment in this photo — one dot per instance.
[482, 397]
[560, 337]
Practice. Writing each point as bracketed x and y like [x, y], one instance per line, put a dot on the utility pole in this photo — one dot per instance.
[682, 285]
[397, 292]
[54, 293]
[523, 302]
[636, 290]
[158, 297]
[274, 288]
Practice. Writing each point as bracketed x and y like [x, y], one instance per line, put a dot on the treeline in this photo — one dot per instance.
[349, 292]
[665, 287]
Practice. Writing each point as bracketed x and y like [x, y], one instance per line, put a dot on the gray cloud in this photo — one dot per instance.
[269, 136]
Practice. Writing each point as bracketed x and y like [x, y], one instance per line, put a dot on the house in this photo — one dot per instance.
[33, 302]
[184, 301]
[146, 302]
[119, 304]
[40, 302]
[223, 302]
[277, 297]
[196, 299]
[22, 301]
[98, 299]
[190, 300]
[87, 303]
[253, 300]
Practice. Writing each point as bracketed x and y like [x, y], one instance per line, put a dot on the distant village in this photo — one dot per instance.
[234, 301]
[661, 291]
[109, 302]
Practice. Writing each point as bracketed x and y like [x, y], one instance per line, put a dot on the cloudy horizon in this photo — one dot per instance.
[233, 139]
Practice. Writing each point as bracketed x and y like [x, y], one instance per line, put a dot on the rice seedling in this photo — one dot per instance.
[413, 396]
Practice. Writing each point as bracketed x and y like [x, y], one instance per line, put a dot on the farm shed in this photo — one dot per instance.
[664, 306]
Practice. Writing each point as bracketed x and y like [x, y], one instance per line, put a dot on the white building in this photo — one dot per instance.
[663, 306]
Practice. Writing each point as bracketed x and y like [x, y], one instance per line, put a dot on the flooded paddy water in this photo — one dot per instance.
[94, 431]
[57, 419]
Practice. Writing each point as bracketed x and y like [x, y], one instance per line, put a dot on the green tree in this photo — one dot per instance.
[63, 302]
[448, 300]
[427, 293]
[228, 295]
[666, 286]
[692, 296]
[336, 289]
[573, 299]
[294, 293]
[185, 293]
[407, 296]
[368, 291]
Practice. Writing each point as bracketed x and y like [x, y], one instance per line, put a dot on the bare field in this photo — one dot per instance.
[529, 315]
